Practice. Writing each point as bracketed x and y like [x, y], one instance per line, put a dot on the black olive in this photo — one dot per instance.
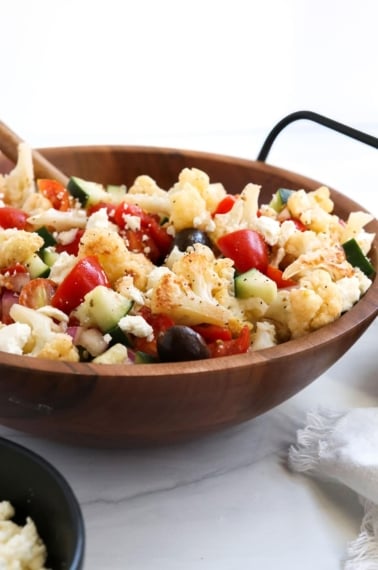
[190, 236]
[180, 343]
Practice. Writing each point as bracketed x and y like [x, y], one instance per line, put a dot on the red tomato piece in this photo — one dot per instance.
[55, 192]
[159, 323]
[15, 277]
[110, 209]
[85, 276]
[298, 224]
[37, 293]
[149, 234]
[211, 333]
[72, 247]
[12, 218]
[276, 274]
[238, 345]
[225, 205]
[247, 248]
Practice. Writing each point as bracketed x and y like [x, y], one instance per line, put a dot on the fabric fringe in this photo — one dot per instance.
[319, 425]
[362, 553]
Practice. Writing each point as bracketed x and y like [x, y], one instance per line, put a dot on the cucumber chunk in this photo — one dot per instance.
[88, 193]
[48, 255]
[253, 283]
[280, 198]
[46, 235]
[103, 308]
[37, 267]
[357, 258]
[116, 354]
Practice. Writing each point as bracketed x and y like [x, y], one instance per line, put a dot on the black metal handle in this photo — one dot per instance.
[321, 120]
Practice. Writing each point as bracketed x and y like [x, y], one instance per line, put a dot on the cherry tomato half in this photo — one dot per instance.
[247, 248]
[238, 345]
[55, 192]
[12, 218]
[85, 276]
[37, 293]
[225, 204]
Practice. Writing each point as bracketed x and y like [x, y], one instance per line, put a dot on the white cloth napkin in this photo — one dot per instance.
[343, 447]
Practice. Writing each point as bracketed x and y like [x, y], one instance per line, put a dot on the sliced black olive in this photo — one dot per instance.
[179, 343]
[190, 236]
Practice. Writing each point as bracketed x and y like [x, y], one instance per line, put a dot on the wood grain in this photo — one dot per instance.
[119, 406]
[43, 168]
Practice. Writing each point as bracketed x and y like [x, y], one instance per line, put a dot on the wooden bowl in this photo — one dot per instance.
[118, 406]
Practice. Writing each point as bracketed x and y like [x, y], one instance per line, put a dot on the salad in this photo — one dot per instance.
[111, 274]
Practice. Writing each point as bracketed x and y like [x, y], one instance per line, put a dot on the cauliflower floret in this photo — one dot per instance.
[47, 339]
[352, 288]
[58, 220]
[210, 279]
[315, 303]
[187, 205]
[18, 185]
[243, 213]
[354, 228]
[212, 193]
[264, 336]
[125, 287]
[330, 258]
[35, 204]
[173, 296]
[148, 195]
[17, 246]
[14, 337]
[313, 209]
[114, 257]
[60, 347]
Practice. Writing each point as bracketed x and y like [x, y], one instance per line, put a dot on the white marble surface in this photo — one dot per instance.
[228, 502]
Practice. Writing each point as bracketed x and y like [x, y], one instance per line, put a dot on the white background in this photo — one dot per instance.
[204, 74]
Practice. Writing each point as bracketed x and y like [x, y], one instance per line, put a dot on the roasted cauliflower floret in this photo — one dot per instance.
[315, 303]
[329, 258]
[114, 257]
[16, 246]
[173, 296]
[313, 209]
[188, 209]
[18, 185]
[148, 195]
[212, 193]
[243, 213]
[47, 339]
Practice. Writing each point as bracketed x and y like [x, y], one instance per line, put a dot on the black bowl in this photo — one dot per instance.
[36, 489]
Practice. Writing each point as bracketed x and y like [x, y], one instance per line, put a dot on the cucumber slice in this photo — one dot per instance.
[253, 283]
[357, 258]
[116, 354]
[117, 193]
[280, 198]
[103, 308]
[48, 255]
[47, 236]
[144, 358]
[88, 193]
[37, 267]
